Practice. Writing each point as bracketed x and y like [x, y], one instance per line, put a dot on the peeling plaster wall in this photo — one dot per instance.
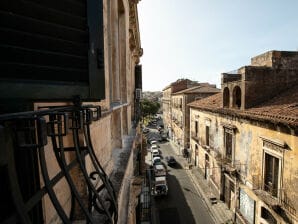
[248, 152]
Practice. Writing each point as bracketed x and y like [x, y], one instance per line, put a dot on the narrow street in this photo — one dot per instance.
[183, 204]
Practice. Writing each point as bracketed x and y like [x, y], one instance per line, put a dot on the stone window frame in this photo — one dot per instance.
[231, 129]
[207, 124]
[197, 119]
[274, 148]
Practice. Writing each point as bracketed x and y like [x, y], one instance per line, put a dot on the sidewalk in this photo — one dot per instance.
[219, 211]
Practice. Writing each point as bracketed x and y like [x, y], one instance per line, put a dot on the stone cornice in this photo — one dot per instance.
[134, 34]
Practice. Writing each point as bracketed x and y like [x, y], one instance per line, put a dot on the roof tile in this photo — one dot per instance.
[280, 109]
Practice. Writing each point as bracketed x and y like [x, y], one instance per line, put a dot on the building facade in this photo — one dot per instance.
[166, 108]
[178, 85]
[180, 110]
[245, 139]
[75, 67]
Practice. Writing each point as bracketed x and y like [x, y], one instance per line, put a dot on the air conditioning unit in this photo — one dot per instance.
[138, 93]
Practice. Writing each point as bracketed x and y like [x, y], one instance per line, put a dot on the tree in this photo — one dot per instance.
[149, 108]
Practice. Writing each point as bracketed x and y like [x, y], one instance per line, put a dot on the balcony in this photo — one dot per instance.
[229, 165]
[277, 199]
[266, 192]
[28, 133]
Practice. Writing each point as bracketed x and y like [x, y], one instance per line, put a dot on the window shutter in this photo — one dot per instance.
[45, 51]
[138, 76]
[96, 49]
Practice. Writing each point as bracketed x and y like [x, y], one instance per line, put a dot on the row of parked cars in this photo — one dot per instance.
[160, 185]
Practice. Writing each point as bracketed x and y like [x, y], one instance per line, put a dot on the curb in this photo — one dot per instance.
[202, 194]
[217, 214]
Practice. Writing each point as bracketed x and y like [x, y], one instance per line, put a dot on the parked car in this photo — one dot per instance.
[171, 161]
[154, 147]
[159, 170]
[154, 153]
[163, 135]
[160, 186]
[153, 142]
[145, 130]
[150, 139]
[156, 160]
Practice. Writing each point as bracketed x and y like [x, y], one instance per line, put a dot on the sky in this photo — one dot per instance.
[200, 39]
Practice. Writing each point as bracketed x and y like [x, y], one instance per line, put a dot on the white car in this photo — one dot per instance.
[154, 147]
[155, 153]
[159, 170]
[153, 142]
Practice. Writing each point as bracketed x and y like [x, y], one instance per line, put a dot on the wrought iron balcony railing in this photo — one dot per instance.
[30, 131]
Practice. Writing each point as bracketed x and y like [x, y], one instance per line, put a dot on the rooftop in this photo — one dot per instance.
[199, 89]
[280, 109]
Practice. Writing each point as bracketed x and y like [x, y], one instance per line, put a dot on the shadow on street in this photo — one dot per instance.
[173, 208]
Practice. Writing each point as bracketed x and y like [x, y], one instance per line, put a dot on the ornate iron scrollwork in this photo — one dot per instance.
[29, 131]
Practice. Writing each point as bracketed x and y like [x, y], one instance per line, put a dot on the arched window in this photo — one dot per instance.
[226, 97]
[237, 97]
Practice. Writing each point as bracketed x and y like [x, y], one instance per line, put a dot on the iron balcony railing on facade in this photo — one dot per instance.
[273, 195]
[29, 132]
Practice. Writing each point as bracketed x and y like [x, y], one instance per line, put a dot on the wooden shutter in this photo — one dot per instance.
[51, 49]
[138, 76]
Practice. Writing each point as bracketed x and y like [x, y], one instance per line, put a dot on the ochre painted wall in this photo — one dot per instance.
[249, 151]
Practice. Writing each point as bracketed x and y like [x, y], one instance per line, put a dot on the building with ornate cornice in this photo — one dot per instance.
[69, 105]
[244, 140]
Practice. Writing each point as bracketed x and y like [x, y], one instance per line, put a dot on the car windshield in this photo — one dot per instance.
[156, 160]
[160, 188]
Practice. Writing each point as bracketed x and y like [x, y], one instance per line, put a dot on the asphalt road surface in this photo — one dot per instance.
[183, 204]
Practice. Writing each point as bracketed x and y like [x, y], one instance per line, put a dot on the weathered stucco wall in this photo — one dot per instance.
[122, 51]
[249, 152]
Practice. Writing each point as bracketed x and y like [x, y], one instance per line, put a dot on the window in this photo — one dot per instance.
[229, 142]
[228, 145]
[55, 54]
[226, 97]
[196, 127]
[271, 174]
[237, 97]
[122, 51]
[265, 214]
[207, 135]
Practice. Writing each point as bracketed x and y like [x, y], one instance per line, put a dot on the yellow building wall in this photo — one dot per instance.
[166, 106]
[249, 138]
